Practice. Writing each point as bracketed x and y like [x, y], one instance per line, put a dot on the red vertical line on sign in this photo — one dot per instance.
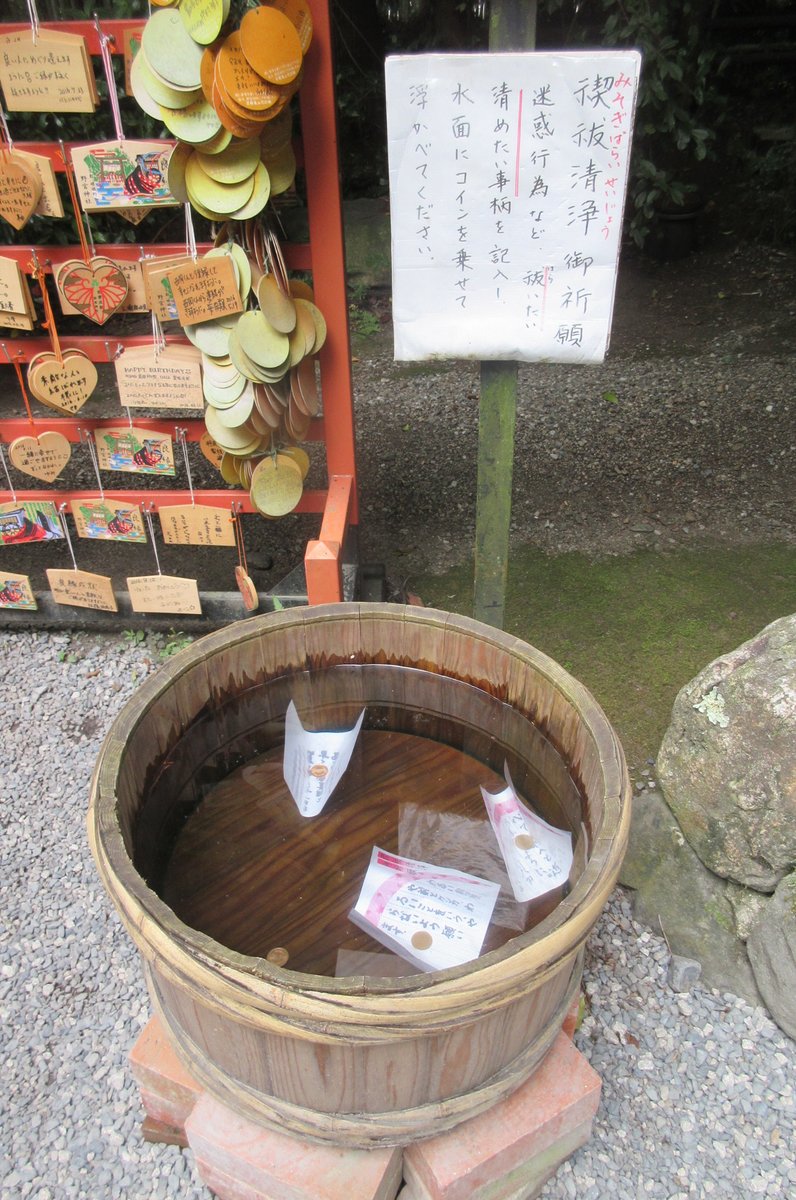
[544, 293]
[519, 146]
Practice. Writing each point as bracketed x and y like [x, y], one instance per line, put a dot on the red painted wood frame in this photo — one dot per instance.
[324, 256]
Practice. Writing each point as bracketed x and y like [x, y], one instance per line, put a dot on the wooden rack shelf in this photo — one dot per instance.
[323, 256]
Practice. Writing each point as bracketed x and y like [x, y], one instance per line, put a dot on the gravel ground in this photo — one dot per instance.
[698, 1098]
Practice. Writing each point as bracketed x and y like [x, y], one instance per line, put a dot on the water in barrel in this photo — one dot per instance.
[246, 868]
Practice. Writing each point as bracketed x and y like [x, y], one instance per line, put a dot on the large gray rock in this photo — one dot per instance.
[675, 894]
[727, 765]
[772, 952]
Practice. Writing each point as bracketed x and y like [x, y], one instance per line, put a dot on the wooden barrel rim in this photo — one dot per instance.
[359, 1007]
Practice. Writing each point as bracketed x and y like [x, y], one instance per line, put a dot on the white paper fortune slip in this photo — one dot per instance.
[314, 763]
[538, 856]
[432, 916]
[507, 183]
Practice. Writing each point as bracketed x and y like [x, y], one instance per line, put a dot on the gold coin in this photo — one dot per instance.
[170, 50]
[276, 486]
[422, 939]
[271, 44]
[524, 841]
[278, 956]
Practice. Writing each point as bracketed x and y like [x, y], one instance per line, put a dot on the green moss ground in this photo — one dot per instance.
[634, 629]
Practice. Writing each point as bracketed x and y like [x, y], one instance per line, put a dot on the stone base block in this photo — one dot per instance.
[507, 1152]
[243, 1161]
[168, 1092]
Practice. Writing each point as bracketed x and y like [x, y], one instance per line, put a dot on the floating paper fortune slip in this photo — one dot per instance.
[507, 184]
[538, 856]
[314, 763]
[432, 916]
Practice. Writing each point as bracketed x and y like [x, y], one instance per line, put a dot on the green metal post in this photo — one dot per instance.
[512, 26]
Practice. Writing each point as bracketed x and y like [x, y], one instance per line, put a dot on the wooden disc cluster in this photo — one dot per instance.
[224, 95]
[258, 377]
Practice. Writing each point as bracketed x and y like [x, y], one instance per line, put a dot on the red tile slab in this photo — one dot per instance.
[168, 1091]
[552, 1111]
[252, 1162]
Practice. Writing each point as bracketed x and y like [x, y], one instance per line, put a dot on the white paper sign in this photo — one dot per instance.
[434, 917]
[538, 856]
[507, 184]
[314, 763]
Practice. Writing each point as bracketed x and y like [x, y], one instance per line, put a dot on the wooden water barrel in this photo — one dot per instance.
[357, 1060]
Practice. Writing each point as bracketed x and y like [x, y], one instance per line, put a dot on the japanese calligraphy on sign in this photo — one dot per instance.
[507, 182]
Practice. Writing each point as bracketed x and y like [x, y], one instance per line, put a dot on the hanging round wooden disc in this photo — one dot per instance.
[239, 161]
[261, 192]
[240, 81]
[276, 486]
[170, 51]
[203, 18]
[299, 13]
[271, 44]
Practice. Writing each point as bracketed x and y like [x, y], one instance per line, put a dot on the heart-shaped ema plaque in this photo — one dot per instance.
[20, 190]
[43, 457]
[64, 386]
[97, 289]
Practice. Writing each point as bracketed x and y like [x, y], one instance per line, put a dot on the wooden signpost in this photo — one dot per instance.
[507, 181]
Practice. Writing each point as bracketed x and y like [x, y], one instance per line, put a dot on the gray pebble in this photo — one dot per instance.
[683, 973]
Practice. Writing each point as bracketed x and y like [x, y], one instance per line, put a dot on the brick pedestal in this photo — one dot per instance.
[507, 1153]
